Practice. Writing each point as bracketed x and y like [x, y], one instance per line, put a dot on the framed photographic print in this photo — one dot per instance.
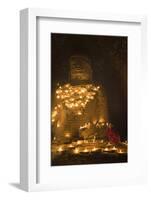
[81, 80]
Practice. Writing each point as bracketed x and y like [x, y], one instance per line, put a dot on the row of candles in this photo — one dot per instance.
[82, 147]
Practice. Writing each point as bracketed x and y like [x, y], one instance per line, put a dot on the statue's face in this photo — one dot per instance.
[80, 69]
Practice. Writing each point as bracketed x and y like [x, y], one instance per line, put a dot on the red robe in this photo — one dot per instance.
[112, 136]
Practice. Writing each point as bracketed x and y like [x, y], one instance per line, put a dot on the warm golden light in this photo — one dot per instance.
[76, 151]
[75, 97]
[79, 142]
[60, 149]
[58, 125]
[120, 151]
[68, 135]
[81, 132]
[70, 145]
[114, 148]
[101, 120]
[79, 113]
[106, 149]
[94, 149]
[85, 150]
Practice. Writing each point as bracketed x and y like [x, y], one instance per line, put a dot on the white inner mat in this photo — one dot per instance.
[99, 174]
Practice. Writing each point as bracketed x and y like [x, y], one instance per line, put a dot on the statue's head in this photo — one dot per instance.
[80, 69]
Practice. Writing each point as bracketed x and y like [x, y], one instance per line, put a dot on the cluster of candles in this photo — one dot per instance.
[99, 124]
[84, 146]
[74, 98]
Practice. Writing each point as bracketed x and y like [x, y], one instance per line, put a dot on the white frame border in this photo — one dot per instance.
[28, 82]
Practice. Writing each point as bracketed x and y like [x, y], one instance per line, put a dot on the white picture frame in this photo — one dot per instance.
[29, 148]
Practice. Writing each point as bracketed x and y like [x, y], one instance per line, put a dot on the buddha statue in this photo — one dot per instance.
[80, 107]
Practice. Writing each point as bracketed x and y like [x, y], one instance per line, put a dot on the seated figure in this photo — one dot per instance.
[79, 107]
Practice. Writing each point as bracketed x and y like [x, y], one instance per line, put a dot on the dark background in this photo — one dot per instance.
[108, 55]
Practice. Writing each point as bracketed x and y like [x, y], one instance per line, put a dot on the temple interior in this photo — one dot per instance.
[83, 130]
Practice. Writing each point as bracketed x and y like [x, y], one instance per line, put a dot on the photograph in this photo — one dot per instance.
[88, 97]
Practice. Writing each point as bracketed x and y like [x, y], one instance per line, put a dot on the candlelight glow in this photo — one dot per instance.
[88, 103]
[85, 150]
[76, 151]
[60, 149]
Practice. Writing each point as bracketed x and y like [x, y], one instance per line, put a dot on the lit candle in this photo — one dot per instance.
[106, 149]
[60, 149]
[70, 145]
[85, 150]
[120, 151]
[79, 142]
[76, 151]
[94, 149]
[58, 125]
[67, 135]
[114, 148]
[79, 113]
